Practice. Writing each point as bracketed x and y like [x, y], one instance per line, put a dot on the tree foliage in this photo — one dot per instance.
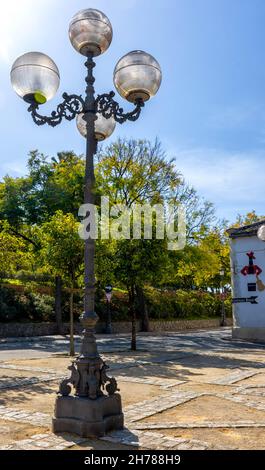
[40, 213]
[61, 250]
[14, 253]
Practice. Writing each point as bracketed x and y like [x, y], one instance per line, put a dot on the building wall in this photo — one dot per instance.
[247, 315]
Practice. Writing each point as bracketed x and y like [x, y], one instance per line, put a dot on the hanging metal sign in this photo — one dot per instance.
[252, 299]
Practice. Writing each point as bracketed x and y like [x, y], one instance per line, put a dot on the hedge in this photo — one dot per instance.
[17, 305]
[191, 304]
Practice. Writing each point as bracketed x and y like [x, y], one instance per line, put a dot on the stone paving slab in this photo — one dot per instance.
[151, 440]
[27, 417]
[234, 377]
[163, 402]
[163, 383]
[252, 391]
[45, 442]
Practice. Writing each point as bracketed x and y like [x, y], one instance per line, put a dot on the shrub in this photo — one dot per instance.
[119, 306]
[17, 306]
[184, 304]
[9, 304]
[42, 307]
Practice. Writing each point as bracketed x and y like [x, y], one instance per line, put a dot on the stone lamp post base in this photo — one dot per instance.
[87, 402]
[86, 417]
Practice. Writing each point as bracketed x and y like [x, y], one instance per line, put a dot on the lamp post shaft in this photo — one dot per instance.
[89, 187]
[89, 362]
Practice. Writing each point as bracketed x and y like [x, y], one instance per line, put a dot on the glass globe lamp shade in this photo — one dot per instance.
[261, 233]
[137, 75]
[103, 127]
[90, 32]
[35, 77]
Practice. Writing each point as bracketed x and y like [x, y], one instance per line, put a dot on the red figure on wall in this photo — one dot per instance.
[251, 268]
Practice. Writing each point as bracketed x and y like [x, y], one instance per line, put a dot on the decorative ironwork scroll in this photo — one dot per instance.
[68, 109]
[107, 106]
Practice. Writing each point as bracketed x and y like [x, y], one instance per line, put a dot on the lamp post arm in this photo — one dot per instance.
[68, 109]
[107, 106]
[75, 104]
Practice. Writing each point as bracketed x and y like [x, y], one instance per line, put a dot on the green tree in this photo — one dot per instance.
[247, 219]
[138, 171]
[14, 252]
[27, 202]
[139, 262]
[49, 186]
[62, 254]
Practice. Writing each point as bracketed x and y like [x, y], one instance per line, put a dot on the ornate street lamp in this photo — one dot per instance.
[137, 77]
[261, 233]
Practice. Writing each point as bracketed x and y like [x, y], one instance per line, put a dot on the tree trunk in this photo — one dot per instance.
[58, 304]
[133, 317]
[72, 345]
[143, 309]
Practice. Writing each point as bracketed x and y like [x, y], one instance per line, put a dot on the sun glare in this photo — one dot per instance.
[18, 18]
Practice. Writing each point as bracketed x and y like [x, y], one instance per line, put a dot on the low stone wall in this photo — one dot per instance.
[27, 329]
[179, 325]
[48, 329]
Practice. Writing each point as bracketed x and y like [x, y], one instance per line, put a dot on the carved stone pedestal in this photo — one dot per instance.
[88, 403]
[86, 417]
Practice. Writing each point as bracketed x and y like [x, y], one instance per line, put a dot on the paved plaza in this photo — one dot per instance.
[194, 390]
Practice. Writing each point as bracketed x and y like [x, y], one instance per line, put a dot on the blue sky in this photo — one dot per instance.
[210, 110]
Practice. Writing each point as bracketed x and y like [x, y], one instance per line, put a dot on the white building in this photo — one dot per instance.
[248, 282]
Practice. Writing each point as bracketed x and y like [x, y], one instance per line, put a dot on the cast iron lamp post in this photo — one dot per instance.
[137, 77]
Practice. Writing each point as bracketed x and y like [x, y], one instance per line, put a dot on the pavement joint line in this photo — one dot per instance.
[10, 384]
[25, 368]
[196, 425]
